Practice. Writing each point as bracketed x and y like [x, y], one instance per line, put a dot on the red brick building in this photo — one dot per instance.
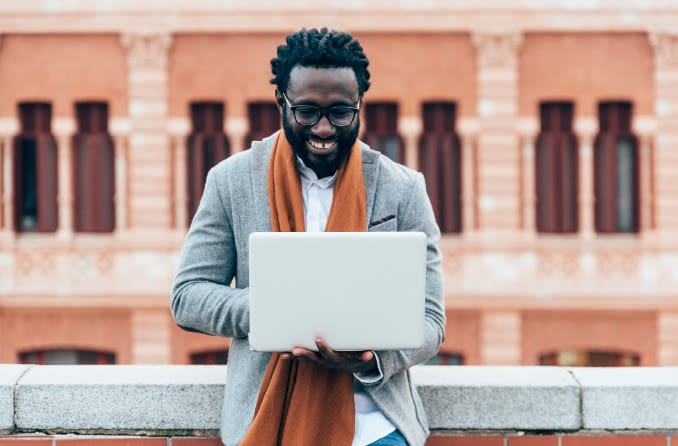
[546, 131]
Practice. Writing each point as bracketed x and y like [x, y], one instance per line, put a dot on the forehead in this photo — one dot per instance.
[340, 83]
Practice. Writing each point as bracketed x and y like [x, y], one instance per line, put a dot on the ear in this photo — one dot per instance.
[279, 100]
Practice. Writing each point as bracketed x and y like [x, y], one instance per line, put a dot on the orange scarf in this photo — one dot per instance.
[301, 403]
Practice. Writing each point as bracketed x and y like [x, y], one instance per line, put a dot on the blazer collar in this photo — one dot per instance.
[370, 175]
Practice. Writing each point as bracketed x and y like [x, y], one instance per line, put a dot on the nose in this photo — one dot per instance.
[323, 128]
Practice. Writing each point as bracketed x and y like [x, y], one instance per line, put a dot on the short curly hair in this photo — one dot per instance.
[319, 49]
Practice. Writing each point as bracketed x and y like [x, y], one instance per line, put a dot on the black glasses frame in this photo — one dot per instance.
[319, 112]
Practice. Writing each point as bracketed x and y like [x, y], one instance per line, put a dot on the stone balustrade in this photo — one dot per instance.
[185, 401]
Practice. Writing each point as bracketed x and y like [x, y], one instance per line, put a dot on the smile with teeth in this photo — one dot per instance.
[322, 146]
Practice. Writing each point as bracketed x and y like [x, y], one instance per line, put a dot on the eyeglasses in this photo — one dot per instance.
[309, 115]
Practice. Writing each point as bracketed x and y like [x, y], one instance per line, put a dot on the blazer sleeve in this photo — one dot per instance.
[416, 214]
[202, 299]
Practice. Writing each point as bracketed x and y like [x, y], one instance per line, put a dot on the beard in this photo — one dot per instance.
[322, 165]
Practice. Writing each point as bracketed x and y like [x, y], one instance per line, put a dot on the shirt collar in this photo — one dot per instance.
[309, 176]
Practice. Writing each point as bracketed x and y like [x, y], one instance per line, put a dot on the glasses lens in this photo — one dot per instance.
[306, 115]
[341, 116]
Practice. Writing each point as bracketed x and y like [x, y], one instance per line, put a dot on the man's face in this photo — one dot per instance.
[322, 146]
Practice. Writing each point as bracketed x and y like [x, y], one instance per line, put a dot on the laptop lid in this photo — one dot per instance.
[356, 290]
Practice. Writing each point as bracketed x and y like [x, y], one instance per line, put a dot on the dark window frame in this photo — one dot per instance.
[556, 170]
[83, 356]
[93, 169]
[381, 129]
[446, 358]
[590, 358]
[41, 183]
[263, 118]
[206, 146]
[210, 357]
[615, 127]
[440, 160]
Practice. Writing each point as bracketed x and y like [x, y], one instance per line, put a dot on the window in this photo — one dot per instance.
[440, 162]
[616, 170]
[93, 170]
[556, 169]
[446, 359]
[207, 145]
[586, 358]
[381, 129]
[35, 170]
[66, 357]
[264, 119]
[211, 357]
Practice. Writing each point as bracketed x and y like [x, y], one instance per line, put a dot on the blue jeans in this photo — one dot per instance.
[392, 439]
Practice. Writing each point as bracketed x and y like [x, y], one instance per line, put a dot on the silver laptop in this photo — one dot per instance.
[356, 290]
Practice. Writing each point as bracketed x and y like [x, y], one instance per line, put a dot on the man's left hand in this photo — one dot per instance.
[353, 362]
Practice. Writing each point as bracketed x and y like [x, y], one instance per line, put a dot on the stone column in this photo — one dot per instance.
[498, 151]
[8, 128]
[668, 339]
[410, 127]
[468, 132]
[149, 157]
[645, 127]
[501, 338]
[586, 128]
[151, 336]
[64, 130]
[236, 129]
[120, 129]
[666, 145]
[178, 129]
[528, 128]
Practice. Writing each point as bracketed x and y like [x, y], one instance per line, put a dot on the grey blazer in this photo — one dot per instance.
[235, 204]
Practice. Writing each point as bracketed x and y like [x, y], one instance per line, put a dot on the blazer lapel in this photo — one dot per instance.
[261, 154]
[370, 175]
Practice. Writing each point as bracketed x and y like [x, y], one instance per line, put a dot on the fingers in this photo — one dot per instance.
[350, 361]
[305, 354]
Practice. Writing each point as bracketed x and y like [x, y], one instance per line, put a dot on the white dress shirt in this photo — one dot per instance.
[370, 423]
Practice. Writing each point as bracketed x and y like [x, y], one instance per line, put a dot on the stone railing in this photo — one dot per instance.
[179, 404]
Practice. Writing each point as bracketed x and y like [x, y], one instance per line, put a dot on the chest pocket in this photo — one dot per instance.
[384, 224]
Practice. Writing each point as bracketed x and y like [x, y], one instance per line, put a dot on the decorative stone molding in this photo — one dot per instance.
[665, 46]
[147, 50]
[586, 126]
[497, 49]
[9, 126]
[645, 125]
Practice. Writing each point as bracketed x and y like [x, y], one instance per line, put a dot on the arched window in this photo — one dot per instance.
[446, 359]
[211, 357]
[381, 129]
[264, 119]
[66, 357]
[93, 170]
[556, 169]
[207, 145]
[616, 170]
[440, 162]
[35, 170]
[590, 358]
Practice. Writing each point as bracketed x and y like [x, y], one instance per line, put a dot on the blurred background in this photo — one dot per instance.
[546, 131]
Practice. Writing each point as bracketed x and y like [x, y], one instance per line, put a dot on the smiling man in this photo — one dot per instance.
[315, 175]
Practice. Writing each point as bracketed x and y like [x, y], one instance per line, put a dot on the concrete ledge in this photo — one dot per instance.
[499, 398]
[629, 398]
[119, 398]
[185, 400]
[9, 376]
